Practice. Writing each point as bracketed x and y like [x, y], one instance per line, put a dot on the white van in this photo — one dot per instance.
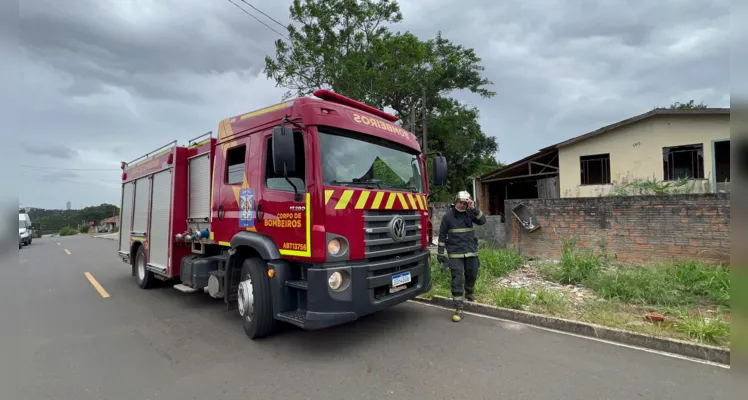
[25, 230]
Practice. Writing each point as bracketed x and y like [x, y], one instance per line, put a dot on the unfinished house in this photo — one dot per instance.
[659, 146]
[533, 177]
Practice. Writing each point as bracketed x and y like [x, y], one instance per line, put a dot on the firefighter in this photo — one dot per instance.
[458, 248]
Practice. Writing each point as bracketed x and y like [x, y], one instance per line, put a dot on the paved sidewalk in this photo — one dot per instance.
[110, 236]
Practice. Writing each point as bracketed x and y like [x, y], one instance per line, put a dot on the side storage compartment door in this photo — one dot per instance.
[140, 211]
[199, 188]
[126, 219]
[159, 239]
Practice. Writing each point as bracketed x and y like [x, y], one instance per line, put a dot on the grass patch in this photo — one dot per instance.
[494, 263]
[708, 330]
[670, 284]
[550, 302]
[499, 262]
[516, 299]
[693, 296]
[575, 267]
[68, 231]
[674, 284]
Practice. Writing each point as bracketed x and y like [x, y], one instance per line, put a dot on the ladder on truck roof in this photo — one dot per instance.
[144, 157]
[192, 142]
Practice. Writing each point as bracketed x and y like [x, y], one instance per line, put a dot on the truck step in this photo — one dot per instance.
[296, 317]
[297, 284]
[184, 289]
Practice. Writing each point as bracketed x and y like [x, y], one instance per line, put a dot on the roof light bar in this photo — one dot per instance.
[333, 97]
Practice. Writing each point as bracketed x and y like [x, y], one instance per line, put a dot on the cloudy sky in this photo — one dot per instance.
[102, 81]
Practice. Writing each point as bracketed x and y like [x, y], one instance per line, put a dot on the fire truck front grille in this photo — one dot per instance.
[378, 237]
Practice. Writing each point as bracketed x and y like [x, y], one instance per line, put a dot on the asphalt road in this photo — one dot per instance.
[61, 339]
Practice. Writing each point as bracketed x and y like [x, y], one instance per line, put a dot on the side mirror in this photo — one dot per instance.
[440, 170]
[284, 157]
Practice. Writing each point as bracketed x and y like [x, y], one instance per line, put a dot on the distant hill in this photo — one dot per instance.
[51, 221]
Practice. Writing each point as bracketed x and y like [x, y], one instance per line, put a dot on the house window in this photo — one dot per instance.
[275, 181]
[683, 162]
[722, 166]
[595, 169]
[235, 165]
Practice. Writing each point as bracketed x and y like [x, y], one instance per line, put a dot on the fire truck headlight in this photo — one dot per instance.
[333, 247]
[335, 280]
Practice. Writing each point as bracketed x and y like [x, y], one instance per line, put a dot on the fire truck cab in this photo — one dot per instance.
[312, 212]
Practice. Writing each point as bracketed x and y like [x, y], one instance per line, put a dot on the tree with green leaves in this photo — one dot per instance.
[455, 132]
[690, 105]
[410, 72]
[331, 46]
[347, 46]
[51, 221]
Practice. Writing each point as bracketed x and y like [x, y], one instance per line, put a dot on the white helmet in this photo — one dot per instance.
[462, 196]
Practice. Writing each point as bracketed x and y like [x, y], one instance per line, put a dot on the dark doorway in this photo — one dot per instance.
[722, 166]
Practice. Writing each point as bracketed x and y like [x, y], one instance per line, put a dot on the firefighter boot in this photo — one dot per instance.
[457, 317]
[469, 297]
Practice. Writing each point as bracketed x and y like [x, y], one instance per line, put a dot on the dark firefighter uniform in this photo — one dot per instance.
[457, 237]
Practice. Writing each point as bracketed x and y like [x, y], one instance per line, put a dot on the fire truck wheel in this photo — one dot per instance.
[255, 301]
[144, 277]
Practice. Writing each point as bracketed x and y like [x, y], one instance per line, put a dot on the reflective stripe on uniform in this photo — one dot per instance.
[460, 230]
[480, 215]
[464, 255]
[442, 244]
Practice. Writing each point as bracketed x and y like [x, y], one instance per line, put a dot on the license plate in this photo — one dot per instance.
[400, 279]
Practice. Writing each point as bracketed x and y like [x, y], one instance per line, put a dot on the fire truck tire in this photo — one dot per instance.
[143, 276]
[256, 308]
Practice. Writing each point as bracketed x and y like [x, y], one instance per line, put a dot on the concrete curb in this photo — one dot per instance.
[104, 237]
[699, 351]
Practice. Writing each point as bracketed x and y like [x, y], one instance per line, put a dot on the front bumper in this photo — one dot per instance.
[368, 290]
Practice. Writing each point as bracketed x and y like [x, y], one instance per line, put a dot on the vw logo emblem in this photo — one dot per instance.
[397, 229]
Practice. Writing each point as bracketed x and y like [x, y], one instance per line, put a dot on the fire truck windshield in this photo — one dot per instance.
[347, 161]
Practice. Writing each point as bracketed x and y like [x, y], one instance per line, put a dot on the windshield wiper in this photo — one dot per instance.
[363, 184]
[403, 187]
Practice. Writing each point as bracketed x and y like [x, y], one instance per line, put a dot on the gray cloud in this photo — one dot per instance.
[99, 43]
[50, 150]
[56, 176]
[114, 80]
[562, 68]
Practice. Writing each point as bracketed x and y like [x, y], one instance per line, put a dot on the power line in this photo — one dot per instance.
[266, 25]
[258, 20]
[69, 169]
[88, 180]
[260, 11]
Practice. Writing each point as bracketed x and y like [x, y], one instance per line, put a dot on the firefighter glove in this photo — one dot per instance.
[442, 259]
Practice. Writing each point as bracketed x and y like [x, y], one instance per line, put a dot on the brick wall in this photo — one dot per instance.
[494, 231]
[637, 228]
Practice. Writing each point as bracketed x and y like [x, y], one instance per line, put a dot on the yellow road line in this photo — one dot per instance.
[67, 251]
[97, 286]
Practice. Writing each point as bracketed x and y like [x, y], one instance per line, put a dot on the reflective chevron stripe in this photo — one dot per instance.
[341, 199]
[344, 199]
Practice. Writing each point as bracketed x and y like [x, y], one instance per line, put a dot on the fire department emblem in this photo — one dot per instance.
[246, 208]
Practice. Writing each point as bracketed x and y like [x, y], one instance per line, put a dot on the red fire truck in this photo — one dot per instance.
[311, 212]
